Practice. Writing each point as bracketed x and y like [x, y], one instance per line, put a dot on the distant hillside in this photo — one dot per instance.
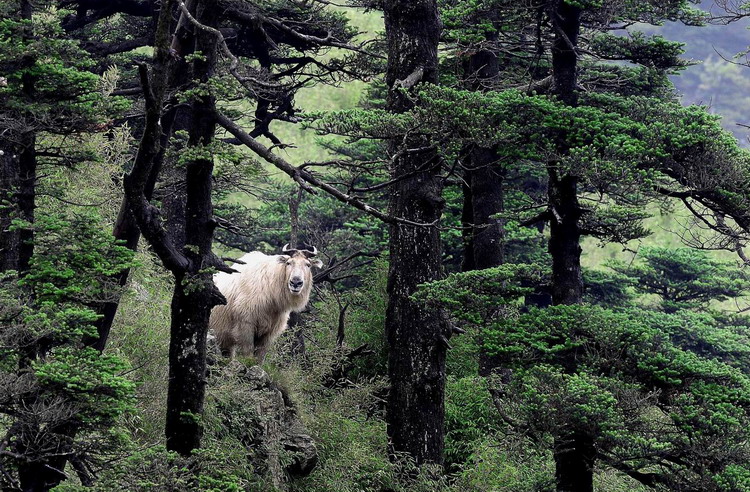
[715, 81]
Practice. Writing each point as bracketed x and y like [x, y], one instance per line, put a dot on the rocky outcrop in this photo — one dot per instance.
[289, 449]
[254, 409]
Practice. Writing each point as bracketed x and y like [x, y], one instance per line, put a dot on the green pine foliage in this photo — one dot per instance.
[634, 374]
[622, 148]
[51, 382]
[684, 278]
[67, 97]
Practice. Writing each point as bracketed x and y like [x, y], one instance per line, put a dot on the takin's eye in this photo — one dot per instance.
[307, 264]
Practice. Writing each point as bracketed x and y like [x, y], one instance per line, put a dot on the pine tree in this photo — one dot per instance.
[645, 394]
[417, 338]
[62, 400]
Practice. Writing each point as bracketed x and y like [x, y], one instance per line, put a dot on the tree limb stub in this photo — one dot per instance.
[413, 79]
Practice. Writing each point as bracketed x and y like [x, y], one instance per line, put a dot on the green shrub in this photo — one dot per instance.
[497, 467]
[366, 320]
[210, 469]
[470, 418]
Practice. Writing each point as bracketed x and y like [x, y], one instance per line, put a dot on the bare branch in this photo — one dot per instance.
[234, 62]
[305, 178]
[148, 217]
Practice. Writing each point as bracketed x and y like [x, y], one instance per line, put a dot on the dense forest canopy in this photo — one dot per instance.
[522, 225]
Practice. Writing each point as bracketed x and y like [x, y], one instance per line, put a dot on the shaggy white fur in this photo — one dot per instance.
[259, 299]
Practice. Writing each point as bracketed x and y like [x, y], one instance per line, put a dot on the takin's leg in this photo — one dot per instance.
[261, 349]
[227, 345]
[262, 344]
[222, 327]
[244, 335]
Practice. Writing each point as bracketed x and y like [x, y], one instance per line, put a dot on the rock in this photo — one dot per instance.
[303, 448]
[260, 413]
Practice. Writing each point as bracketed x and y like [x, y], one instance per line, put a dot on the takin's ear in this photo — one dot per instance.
[317, 263]
[283, 258]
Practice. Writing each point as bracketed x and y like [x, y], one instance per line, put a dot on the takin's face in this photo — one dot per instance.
[298, 271]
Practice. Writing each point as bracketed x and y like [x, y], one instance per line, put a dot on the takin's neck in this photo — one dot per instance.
[297, 302]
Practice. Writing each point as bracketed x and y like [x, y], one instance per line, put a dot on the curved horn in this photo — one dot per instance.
[309, 253]
[286, 248]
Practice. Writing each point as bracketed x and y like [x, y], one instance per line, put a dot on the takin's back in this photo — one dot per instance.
[257, 288]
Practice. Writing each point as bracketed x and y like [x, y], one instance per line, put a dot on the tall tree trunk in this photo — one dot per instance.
[488, 231]
[43, 474]
[27, 158]
[483, 193]
[486, 173]
[18, 177]
[483, 199]
[417, 337]
[566, 21]
[174, 204]
[574, 462]
[486, 202]
[9, 180]
[126, 227]
[574, 451]
[195, 294]
[564, 240]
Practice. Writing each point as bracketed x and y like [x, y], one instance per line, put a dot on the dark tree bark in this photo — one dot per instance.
[19, 176]
[564, 241]
[195, 293]
[126, 229]
[564, 209]
[486, 183]
[34, 475]
[483, 194]
[9, 179]
[486, 201]
[575, 455]
[483, 199]
[484, 174]
[417, 337]
[174, 197]
[566, 22]
[574, 451]
[174, 204]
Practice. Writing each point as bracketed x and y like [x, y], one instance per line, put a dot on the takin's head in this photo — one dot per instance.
[299, 263]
